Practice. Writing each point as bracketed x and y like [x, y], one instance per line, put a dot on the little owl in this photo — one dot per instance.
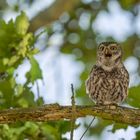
[108, 80]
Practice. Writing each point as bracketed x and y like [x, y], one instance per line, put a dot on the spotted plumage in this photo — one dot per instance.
[108, 80]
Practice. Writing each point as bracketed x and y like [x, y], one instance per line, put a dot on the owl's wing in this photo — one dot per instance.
[125, 79]
[91, 79]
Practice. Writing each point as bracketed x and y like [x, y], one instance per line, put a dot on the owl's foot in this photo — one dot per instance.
[109, 105]
[99, 104]
[112, 106]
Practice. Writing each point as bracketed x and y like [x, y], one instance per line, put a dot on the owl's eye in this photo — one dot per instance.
[101, 48]
[113, 48]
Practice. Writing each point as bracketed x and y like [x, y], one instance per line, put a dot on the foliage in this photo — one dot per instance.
[16, 45]
[134, 97]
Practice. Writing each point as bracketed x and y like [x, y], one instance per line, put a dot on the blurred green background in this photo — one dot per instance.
[47, 45]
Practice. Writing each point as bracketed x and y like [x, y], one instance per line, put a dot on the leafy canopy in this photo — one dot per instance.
[17, 45]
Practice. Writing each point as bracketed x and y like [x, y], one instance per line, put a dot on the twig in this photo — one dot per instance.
[73, 112]
[37, 88]
[87, 128]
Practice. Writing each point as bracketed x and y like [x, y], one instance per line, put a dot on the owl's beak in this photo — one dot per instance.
[107, 53]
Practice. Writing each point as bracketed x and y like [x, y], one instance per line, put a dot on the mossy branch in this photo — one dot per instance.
[53, 112]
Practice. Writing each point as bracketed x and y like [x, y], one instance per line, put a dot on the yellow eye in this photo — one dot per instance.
[113, 48]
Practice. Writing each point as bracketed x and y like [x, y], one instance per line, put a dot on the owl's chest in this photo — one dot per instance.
[110, 75]
[109, 80]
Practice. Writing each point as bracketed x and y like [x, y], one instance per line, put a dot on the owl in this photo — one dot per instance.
[108, 80]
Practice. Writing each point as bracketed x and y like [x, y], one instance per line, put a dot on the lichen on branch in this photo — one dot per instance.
[53, 112]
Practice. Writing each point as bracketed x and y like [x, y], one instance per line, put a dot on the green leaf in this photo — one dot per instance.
[31, 128]
[7, 91]
[23, 102]
[137, 135]
[13, 60]
[118, 126]
[65, 126]
[134, 97]
[15, 44]
[19, 90]
[35, 71]
[22, 24]
[25, 45]
[8, 36]
[28, 97]
[40, 101]
[50, 131]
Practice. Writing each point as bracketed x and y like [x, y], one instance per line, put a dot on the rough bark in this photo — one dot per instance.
[52, 13]
[55, 112]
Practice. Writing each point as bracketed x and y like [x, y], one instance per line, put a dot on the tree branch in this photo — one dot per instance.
[55, 112]
[52, 13]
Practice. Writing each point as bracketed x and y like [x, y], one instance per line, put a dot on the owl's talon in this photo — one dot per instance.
[99, 104]
[109, 106]
[113, 106]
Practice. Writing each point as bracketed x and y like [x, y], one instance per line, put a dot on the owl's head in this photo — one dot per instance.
[109, 55]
